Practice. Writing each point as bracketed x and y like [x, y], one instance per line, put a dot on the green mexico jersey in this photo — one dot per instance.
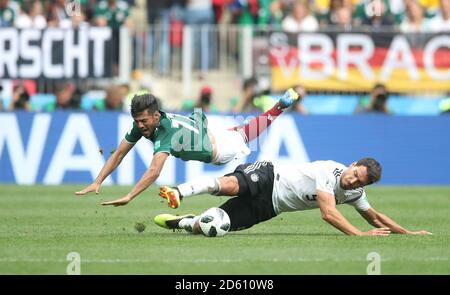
[7, 17]
[114, 17]
[183, 137]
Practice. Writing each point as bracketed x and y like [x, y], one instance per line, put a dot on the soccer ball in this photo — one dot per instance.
[214, 222]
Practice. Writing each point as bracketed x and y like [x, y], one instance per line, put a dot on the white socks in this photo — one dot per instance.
[199, 186]
[188, 223]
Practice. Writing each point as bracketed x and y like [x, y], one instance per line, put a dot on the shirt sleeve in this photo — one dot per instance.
[325, 181]
[133, 135]
[361, 204]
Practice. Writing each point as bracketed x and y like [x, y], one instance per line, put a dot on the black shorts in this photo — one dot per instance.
[253, 204]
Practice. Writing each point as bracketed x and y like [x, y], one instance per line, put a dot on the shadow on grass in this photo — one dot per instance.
[278, 234]
[261, 234]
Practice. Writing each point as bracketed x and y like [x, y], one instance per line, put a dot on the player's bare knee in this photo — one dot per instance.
[229, 186]
[213, 186]
[196, 230]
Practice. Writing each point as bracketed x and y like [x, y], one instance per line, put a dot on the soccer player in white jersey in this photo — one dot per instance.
[263, 190]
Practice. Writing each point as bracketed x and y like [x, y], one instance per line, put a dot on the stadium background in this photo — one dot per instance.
[67, 69]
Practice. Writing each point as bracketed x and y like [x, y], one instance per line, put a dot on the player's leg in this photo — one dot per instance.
[231, 144]
[253, 203]
[187, 222]
[228, 145]
[257, 125]
[218, 186]
[227, 185]
[240, 211]
[253, 185]
[171, 221]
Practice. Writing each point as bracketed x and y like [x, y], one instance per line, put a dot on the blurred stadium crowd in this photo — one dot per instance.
[290, 15]
[427, 16]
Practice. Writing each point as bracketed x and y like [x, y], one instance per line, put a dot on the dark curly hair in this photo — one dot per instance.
[143, 102]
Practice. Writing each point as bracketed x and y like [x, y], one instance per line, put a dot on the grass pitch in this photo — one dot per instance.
[41, 225]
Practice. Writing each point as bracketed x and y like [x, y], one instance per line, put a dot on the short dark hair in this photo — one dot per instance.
[373, 169]
[379, 85]
[249, 82]
[144, 102]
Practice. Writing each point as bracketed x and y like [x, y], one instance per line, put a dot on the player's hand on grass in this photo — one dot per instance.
[93, 187]
[383, 231]
[420, 232]
[119, 202]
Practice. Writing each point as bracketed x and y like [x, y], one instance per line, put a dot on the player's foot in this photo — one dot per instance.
[288, 98]
[170, 221]
[172, 195]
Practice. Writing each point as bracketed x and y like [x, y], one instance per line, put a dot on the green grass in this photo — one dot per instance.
[40, 225]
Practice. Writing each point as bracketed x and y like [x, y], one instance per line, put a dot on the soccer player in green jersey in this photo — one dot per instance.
[187, 138]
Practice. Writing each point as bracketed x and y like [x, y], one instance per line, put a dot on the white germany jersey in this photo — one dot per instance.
[295, 186]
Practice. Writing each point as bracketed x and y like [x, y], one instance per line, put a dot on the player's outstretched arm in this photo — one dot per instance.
[378, 219]
[330, 214]
[146, 180]
[114, 160]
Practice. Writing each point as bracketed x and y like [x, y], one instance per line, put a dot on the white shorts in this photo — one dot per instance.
[229, 146]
